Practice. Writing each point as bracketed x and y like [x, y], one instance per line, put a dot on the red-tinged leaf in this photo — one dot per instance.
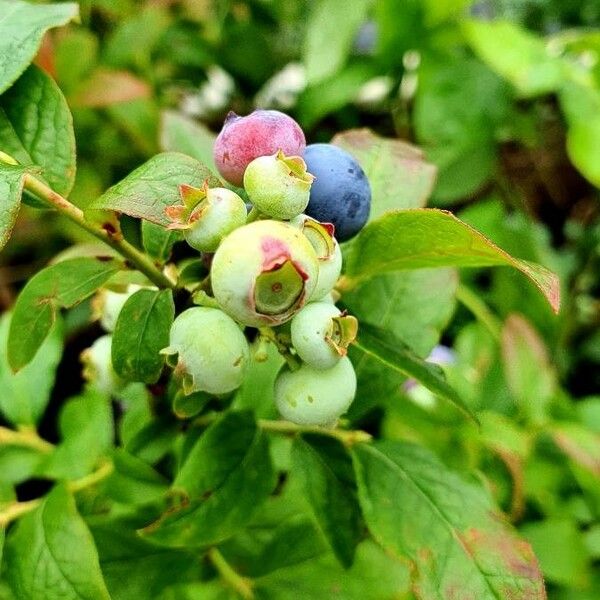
[458, 542]
[106, 87]
[425, 237]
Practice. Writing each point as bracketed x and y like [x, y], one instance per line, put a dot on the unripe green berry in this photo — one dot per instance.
[208, 351]
[263, 273]
[328, 251]
[321, 334]
[312, 397]
[97, 366]
[207, 215]
[277, 185]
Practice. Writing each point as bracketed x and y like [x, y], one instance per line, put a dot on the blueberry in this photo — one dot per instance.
[341, 193]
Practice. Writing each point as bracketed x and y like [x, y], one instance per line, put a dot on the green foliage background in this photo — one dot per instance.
[503, 98]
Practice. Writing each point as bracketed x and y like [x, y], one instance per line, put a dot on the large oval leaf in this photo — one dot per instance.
[22, 26]
[61, 285]
[51, 554]
[36, 128]
[458, 542]
[141, 332]
[426, 237]
[147, 191]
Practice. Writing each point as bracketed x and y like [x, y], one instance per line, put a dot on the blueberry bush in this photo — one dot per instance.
[246, 349]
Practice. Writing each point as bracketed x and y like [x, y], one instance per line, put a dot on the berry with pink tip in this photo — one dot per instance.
[260, 133]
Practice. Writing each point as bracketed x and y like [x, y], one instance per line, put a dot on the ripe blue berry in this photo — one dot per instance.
[208, 351]
[321, 334]
[207, 215]
[260, 133]
[264, 272]
[312, 397]
[341, 193]
[278, 185]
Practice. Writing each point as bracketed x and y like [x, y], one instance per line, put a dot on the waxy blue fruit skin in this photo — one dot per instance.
[341, 193]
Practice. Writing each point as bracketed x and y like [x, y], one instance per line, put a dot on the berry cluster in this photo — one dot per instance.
[273, 268]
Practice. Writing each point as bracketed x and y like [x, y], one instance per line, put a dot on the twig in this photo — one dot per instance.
[113, 239]
[239, 584]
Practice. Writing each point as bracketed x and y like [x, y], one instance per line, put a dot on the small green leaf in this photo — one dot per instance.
[159, 241]
[86, 432]
[61, 285]
[134, 481]
[421, 237]
[326, 473]
[22, 26]
[181, 134]
[227, 475]
[399, 175]
[25, 394]
[36, 128]
[396, 355]
[51, 554]
[138, 570]
[565, 563]
[527, 368]
[11, 189]
[329, 39]
[515, 54]
[147, 191]
[459, 544]
[581, 105]
[141, 332]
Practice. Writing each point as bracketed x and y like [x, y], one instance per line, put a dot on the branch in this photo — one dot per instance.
[16, 509]
[115, 240]
[238, 583]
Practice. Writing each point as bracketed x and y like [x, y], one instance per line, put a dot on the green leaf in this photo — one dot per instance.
[134, 481]
[581, 105]
[25, 394]
[86, 432]
[566, 562]
[181, 134]
[459, 544]
[396, 355]
[420, 237]
[516, 55]
[147, 191]
[527, 368]
[51, 554]
[374, 575]
[326, 473]
[61, 285]
[22, 26]
[137, 570]
[399, 175]
[141, 332]
[159, 241]
[11, 189]
[415, 306]
[36, 128]
[580, 444]
[329, 39]
[227, 476]
[458, 136]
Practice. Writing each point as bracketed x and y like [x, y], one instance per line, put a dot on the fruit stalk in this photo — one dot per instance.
[238, 583]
